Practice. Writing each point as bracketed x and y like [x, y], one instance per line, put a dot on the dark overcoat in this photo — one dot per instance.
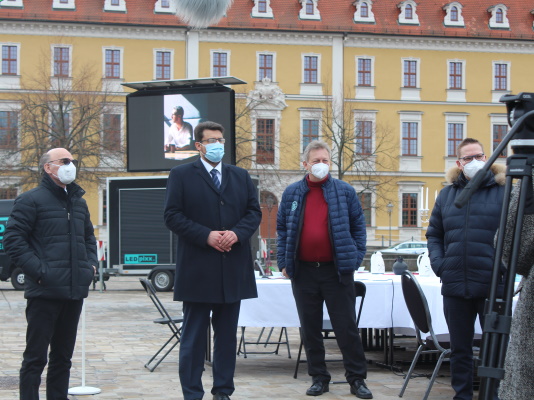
[193, 208]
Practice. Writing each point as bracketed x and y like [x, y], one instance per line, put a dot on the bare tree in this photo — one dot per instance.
[363, 151]
[78, 113]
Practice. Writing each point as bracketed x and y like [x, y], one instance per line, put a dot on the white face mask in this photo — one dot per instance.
[319, 170]
[66, 173]
[472, 168]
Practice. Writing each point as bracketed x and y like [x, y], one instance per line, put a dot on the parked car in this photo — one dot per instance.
[411, 247]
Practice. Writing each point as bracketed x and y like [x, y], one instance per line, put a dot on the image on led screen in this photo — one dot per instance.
[180, 118]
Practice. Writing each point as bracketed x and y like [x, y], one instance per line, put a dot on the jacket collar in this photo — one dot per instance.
[72, 188]
[496, 174]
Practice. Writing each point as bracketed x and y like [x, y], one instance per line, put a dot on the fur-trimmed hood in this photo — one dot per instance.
[499, 172]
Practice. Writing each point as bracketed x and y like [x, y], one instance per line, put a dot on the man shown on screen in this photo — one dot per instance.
[180, 133]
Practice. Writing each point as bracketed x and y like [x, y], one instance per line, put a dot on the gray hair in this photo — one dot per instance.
[315, 145]
[45, 158]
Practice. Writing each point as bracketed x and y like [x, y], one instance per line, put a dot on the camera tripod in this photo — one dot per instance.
[498, 312]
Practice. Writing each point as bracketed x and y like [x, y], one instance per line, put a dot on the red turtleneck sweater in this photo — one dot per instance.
[314, 238]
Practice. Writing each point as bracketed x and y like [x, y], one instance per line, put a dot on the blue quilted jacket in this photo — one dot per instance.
[345, 219]
[461, 240]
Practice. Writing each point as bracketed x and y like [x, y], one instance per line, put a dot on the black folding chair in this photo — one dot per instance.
[165, 319]
[431, 344]
[243, 342]
[360, 291]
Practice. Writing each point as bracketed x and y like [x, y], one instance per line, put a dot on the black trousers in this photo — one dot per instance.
[51, 323]
[461, 315]
[193, 347]
[312, 287]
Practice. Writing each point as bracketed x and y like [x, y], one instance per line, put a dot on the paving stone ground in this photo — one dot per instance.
[120, 338]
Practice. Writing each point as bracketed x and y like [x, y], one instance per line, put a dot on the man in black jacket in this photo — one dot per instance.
[50, 236]
[460, 243]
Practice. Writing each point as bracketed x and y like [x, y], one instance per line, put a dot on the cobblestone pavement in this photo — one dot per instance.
[120, 338]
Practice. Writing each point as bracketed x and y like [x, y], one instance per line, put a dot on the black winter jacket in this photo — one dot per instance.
[50, 236]
[461, 240]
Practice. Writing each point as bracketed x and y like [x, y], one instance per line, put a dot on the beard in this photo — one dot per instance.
[202, 13]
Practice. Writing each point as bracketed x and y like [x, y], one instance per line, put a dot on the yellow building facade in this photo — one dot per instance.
[406, 96]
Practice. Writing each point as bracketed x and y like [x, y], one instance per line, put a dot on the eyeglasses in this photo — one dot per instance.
[214, 140]
[468, 159]
[65, 161]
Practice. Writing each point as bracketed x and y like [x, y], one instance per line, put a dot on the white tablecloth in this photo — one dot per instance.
[384, 305]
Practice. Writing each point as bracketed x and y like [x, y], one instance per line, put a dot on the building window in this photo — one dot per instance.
[499, 132]
[309, 7]
[9, 60]
[262, 9]
[410, 73]
[310, 131]
[8, 193]
[220, 64]
[8, 129]
[364, 137]
[409, 209]
[499, 18]
[310, 69]
[364, 72]
[265, 141]
[455, 135]
[500, 76]
[113, 64]
[455, 75]
[408, 12]
[111, 132]
[60, 127]
[364, 10]
[163, 65]
[262, 6]
[453, 15]
[365, 200]
[265, 66]
[165, 4]
[61, 61]
[409, 138]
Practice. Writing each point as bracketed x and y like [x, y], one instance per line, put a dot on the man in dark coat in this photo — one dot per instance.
[460, 243]
[214, 210]
[50, 236]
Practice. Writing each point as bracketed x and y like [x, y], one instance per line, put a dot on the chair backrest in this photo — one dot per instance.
[416, 302]
[360, 290]
[151, 292]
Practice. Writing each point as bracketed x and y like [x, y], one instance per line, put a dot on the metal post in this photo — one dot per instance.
[390, 210]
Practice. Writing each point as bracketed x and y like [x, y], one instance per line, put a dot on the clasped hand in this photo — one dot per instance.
[222, 240]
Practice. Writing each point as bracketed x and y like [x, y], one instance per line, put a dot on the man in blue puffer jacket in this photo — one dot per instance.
[50, 236]
[321, 241]
[461, 247]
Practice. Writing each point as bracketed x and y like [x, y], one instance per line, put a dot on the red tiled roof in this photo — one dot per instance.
[336, 16]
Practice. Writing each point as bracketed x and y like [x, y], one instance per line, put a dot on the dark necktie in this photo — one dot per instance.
[215, 178]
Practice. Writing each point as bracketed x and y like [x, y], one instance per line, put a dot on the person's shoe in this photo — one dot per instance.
[221, 396]
[317, 389]
[359, 388]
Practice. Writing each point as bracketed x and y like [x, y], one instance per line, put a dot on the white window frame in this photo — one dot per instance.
[257, 14]
[366, 115]
[309, 113]
[456, 95]
[505, 24]
[166, 10]
[17, 45]
[12, 3]
[496, 94]
[276, 115]
[6, 153]
[453, 118]
[114, 108]
[364, 92]
[121, 67]
[56, 4]
[402, 15]
[448, 8]
[52, 47]
[499, 119]
[267, 53]
[316, 14]
[228, 59]
[120, 8]
[311, 88]
[410, 93]
[411, 163]
[155, 52]
[406, 187]
[370, 19]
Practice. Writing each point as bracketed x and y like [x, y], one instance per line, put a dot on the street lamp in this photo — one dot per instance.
[390, 210]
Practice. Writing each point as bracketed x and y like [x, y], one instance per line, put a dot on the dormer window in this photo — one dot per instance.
[262, 9]
[164, 6]
[408, 12]
[115, 5]
[453, 16]
[11, 3]
[364, 11]
[309, 10]
[499, 19]
[63, 4]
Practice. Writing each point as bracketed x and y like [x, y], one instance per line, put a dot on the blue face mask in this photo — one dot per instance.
[214, 152]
